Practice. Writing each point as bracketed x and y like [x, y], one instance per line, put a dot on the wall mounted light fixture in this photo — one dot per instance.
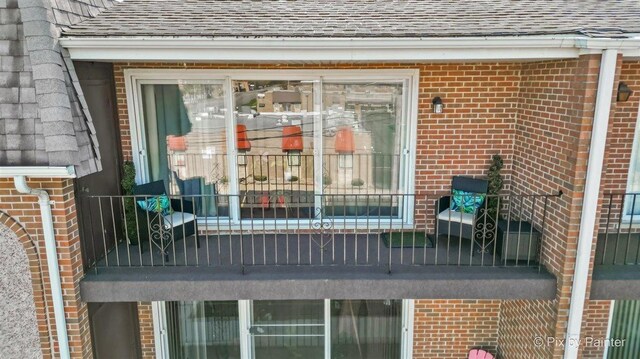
[437, 105]
[623, 92]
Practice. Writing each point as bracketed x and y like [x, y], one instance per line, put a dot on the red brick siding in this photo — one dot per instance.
[522, 323]
[557, 101]
[147, 339]
[450, 328]
[595, 323]
[24, 209]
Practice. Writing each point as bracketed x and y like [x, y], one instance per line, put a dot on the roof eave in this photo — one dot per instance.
[338, 49]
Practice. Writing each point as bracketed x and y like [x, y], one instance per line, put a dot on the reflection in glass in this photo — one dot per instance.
[288, 329]
[362, 127]
[203, 330]
[366, 329]
[276, 173]
[186, 141]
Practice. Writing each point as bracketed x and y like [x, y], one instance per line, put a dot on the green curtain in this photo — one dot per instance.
[171, 118]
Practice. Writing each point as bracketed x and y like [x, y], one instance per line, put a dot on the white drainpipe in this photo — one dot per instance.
[21, 185]
[590, 201]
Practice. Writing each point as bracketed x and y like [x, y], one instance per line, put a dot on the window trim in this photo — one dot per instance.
[135, 78]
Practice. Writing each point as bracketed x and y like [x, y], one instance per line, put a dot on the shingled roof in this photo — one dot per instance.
[44, 120]
[362, 18]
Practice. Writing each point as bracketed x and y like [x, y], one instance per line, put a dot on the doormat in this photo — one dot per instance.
[407, 240]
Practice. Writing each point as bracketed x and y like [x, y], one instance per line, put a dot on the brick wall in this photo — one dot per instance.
[24, 210]
[595, 323]
[147, 339]
[522, 323]
[557, 101]
[450, 328]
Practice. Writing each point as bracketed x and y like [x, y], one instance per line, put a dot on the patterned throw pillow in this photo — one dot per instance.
[466, 202]
[159, 204]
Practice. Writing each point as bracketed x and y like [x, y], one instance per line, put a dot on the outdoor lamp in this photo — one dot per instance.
[437, 105]
[623, 92]
[294, 158]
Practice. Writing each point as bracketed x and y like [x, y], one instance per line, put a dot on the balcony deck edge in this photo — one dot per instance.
[188, 284]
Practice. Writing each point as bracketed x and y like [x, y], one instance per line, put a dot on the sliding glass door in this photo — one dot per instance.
[275, 122]
[287, 329]
[185, 141]
[279, 147]
[307, 329]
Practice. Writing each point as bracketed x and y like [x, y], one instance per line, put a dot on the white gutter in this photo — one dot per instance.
[38, 171]
[20, 182]
[336, 49]
[590, 201]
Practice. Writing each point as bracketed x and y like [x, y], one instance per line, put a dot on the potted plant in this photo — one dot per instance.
[357, 182]
[260, 178]
[326, 180]
[495, 185]
[131, 224]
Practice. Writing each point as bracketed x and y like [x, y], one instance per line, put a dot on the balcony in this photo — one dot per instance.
[616, 271]
[380, 245]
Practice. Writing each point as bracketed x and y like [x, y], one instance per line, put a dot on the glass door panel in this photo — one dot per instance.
[362, 147]
[184, 125]
[274, 127]
[366, 329]
[288, 329]
[203, 330]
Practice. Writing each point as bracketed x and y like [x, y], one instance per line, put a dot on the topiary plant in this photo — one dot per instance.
[495, 185]
[128, 183]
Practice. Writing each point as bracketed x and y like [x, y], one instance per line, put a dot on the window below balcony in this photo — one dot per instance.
[371, 329]
[278, 145]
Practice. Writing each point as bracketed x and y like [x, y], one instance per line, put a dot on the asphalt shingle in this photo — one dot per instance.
[42, 117]
[361, 18]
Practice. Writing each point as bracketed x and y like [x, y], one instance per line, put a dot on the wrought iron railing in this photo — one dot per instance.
[291, 228]
[618, 240]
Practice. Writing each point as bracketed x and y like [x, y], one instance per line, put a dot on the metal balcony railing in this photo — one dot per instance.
[299, 228]
[618, 241]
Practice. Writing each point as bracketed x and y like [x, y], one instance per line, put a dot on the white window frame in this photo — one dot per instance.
[134, 78]
[634, 161]
[244, 317]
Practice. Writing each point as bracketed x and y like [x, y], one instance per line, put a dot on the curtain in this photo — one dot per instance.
[165, 115]
[366, 329]
[203, 330]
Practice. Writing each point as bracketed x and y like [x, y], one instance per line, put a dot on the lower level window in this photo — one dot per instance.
[307, 329]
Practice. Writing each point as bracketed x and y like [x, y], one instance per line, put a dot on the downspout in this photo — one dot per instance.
[21, 185]
[590, 201]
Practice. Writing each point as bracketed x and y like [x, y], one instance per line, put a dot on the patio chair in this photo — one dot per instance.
[480, 354]
[175, 223]
[453, 221]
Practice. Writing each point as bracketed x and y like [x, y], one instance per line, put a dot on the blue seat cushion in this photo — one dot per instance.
[466, 202]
